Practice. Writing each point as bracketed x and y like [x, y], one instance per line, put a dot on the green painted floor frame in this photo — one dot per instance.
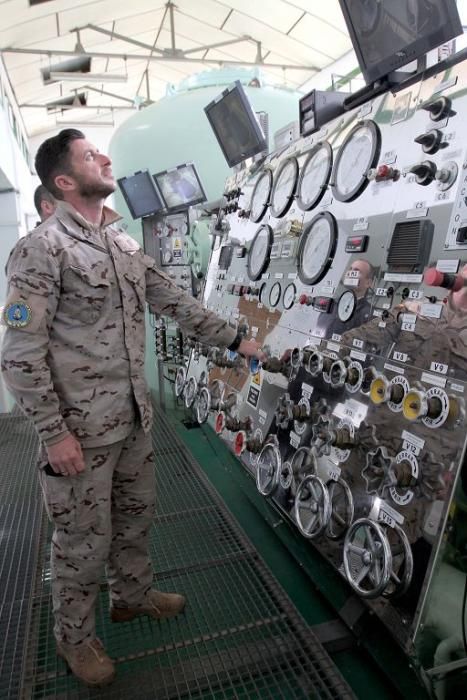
[313, 586]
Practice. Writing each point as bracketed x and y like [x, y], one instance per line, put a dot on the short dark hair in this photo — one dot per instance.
[41, 194]
[53, 158]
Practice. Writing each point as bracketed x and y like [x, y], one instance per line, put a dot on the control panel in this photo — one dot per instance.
[347, 261]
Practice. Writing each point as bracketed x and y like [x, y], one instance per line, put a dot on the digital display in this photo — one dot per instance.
[235, 125]
[387, 34]
[140, 194]
[180, 187]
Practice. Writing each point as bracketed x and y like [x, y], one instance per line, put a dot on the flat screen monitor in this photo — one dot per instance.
[388, 34]
[180, 187]
[235, 126]
[140, 193]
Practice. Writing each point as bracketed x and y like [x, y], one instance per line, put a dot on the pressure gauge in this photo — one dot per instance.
[289, 296]
[275, 294]
[284, 187]
[262, 289]
[346, 306]
[358, 154]
[260, 251]
[317, 247]
[260, 196]
[315, 176]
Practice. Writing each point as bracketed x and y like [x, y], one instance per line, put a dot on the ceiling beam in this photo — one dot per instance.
[167, 59]
[115, 35]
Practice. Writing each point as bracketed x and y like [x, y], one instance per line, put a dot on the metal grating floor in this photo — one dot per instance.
[240, 636]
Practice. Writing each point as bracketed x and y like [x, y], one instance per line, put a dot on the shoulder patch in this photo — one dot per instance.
[17, 315]
[126, 243]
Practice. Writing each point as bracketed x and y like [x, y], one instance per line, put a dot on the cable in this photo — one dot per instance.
[464, 600]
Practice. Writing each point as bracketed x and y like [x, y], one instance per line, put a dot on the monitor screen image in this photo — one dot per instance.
[235, 125]
[180, 187]
[140, 194]
[388, 34]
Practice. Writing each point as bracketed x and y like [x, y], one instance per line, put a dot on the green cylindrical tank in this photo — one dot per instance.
[176, 130]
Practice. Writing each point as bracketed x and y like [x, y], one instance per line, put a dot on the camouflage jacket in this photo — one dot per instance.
[74, 343]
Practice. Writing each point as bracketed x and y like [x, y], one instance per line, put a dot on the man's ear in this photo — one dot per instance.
[47, 207]
[66, 183]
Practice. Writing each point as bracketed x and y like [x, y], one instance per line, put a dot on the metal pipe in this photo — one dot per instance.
[167, 59]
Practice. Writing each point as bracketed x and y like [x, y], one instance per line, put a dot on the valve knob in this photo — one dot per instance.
[240, 443]
[447, 280]
[219, 424]
[424, 172]
[305, 299]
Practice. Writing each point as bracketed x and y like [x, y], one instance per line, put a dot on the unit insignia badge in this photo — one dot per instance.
[17, 315]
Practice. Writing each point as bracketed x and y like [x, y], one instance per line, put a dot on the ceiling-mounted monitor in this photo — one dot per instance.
[235, 125]
[140, 193]
[388, 34]
[180, 187]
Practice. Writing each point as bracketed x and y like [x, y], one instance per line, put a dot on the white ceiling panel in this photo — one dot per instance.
[325, 38]
[275, 13]
[274, 40]
[295, 32]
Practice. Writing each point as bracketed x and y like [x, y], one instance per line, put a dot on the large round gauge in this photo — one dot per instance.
[260, 196]
[317, 247]
[314, 176]
[346, 305]
[260, 251]
[283, 190]
[275, 294]
[289, 296]
[357, 155]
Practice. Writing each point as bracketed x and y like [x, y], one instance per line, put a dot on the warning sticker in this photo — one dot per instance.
[177, 248]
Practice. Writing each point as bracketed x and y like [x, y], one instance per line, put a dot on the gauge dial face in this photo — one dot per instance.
[346, 305]
[262, 289]
[260, 251]
[317, 248]
[275, 294]
[358, 154]
[315, 176]
[203, 405]
[260, 196]
[289, 296]
[284, 187]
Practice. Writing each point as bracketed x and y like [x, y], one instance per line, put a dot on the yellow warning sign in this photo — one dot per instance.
[177, 248]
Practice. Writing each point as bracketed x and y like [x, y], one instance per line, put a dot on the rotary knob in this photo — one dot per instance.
[439, 109]
[430, 141]
[425, 172]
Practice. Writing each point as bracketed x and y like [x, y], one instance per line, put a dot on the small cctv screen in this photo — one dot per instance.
[235, 126]
[180, 187]
[140, 194]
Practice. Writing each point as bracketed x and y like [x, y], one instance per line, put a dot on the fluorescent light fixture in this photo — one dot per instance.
[57, 76]
[70, 122]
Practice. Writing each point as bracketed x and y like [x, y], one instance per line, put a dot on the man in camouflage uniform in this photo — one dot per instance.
[73, 358]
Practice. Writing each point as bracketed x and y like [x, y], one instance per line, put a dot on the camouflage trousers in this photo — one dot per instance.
[101, 518]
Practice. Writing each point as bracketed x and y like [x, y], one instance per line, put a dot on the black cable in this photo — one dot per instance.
[464, 600]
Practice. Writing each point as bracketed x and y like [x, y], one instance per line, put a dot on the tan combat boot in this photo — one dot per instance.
[157, 605]
[88, 661]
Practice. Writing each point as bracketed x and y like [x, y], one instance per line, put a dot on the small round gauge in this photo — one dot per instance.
[346, 305]
[285, 184]
[357, 155]
[314, 176]
[260, 251]
[275, 294]
[289, 296]
[203, 405]
[317, 247]
[260, 196]
[262, 289]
